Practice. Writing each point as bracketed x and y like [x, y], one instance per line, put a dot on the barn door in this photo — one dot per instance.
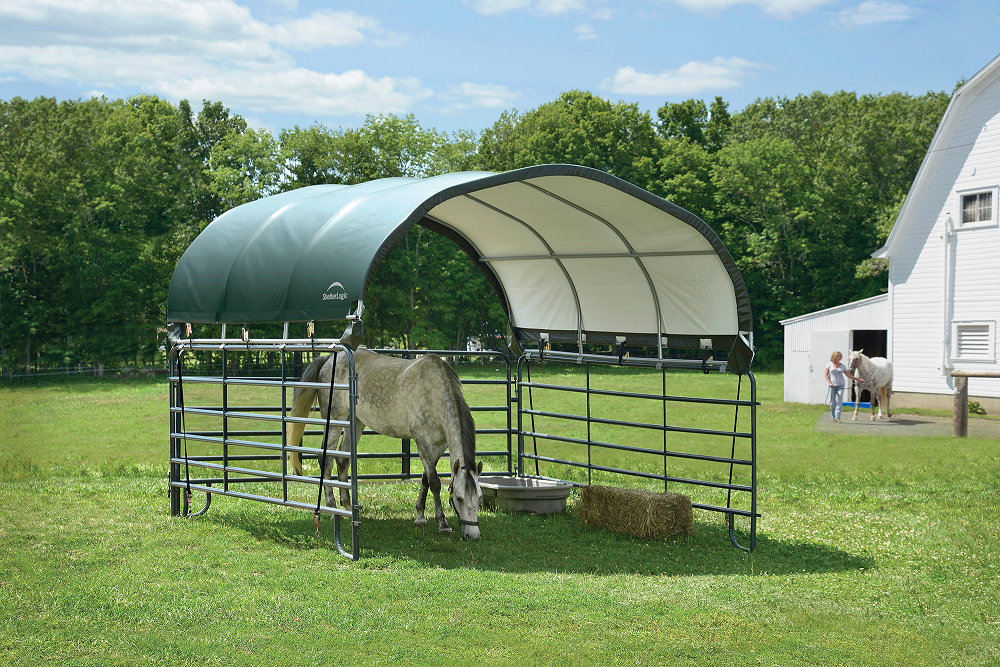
[821, 346]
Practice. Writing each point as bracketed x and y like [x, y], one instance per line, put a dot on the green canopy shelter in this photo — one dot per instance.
[573, 253]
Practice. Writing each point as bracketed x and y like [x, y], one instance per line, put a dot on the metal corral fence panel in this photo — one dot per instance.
[228, 431]
[634, 427]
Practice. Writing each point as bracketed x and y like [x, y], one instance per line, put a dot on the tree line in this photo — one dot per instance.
[99, 198]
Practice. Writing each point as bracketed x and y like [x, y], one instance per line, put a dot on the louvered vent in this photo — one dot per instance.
[973, 341]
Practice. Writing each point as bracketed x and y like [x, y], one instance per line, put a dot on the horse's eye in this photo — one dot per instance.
[459, 500]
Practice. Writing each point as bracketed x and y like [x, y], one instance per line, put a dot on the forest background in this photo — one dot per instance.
[99, 198]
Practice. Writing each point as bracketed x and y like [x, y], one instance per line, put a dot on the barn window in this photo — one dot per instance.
[977, 208]
[974, 341]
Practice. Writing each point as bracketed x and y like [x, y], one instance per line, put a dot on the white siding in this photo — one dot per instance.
[801, 361]
[920, 344]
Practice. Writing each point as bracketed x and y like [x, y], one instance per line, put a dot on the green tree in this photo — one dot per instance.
[767, 216]
[578, 128]
[684, 177]
[99, 199]
[805, 233]
[48, 167]
[245, 166]
[709, 127]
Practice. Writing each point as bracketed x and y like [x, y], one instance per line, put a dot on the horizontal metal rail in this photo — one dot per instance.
[645, 362]
[653, 427]
[639, 473]
[703, 506]
[324, 509]
[637, 450]
[626, 394]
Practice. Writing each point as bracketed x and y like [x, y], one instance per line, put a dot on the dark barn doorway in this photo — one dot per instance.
[874, 343]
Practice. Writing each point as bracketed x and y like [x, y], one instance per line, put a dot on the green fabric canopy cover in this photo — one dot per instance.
[572, 252]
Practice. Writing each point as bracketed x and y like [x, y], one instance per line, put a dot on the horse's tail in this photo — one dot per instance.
[302, 403]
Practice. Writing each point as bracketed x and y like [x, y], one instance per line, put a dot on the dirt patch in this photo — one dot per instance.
[914, 426]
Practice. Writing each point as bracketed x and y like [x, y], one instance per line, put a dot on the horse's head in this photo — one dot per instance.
[854, 360]
[465, 495]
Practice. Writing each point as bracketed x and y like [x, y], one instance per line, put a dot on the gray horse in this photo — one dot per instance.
[400, 398]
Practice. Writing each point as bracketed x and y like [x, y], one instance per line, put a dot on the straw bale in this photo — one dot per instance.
[640, 513]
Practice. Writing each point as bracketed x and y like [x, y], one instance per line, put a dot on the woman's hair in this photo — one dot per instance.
[833, 357]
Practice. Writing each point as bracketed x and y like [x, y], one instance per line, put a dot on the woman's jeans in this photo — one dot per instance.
[836, 401]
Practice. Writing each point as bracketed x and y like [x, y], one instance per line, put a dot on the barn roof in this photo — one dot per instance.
[939, 152]
[571, 252]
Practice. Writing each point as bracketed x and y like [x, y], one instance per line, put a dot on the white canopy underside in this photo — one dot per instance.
[584, 256]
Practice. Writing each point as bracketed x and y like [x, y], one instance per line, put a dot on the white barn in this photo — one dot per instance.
[810, 340]
[941, 311]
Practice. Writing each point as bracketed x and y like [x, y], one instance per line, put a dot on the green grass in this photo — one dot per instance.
[871, 551]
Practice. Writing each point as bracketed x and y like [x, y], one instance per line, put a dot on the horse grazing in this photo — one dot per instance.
[877, 374]
[417, 399]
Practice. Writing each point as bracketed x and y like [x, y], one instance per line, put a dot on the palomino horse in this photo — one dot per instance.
[417, 399]
[877, 374]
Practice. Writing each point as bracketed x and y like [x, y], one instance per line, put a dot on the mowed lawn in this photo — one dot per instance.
[871, 551]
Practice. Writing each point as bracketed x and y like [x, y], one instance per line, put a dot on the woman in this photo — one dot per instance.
[835, 373]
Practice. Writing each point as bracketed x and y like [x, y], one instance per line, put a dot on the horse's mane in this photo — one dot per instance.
[468, 425]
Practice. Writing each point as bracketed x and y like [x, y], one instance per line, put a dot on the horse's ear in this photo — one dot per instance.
[861, 350]
[479, 469]
[454, 468]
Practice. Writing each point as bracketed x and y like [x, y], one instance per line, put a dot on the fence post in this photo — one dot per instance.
[960, 417]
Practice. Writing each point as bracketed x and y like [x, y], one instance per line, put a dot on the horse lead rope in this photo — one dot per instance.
[326, 435]
[732, 456]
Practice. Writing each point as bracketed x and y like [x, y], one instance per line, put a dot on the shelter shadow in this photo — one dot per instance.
[557, 543]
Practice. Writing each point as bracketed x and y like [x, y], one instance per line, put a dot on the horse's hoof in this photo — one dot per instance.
[420, 522]
[445, 530]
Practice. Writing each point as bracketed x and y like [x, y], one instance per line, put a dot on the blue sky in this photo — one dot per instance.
[459, 64]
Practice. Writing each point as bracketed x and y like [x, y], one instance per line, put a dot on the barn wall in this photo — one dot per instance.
[965, 158]
[802, 363]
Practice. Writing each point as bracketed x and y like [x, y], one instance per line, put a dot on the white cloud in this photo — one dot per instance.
[780, 8]
[538, 7]
[469, 95]
[299, 89]
[321, 29]
[693, 77]
[497, 7]
[556, 7]
[585, 32]
[877, 11]
[212, 49]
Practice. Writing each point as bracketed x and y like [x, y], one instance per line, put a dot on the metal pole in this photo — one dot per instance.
[175, 469]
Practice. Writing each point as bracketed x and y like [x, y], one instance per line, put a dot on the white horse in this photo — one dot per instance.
[877, 374]
[418, 399]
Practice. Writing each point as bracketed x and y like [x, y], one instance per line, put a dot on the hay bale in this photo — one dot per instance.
[640, 513]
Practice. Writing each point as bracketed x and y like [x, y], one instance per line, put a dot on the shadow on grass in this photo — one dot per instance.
[555, 543]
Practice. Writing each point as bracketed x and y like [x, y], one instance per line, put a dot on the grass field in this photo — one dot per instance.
[871, 551]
